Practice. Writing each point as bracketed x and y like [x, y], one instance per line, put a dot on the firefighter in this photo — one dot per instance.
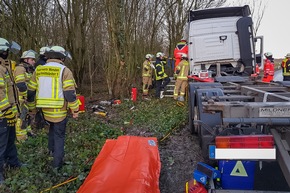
[181, 78]
[147, 71]
[161, 77]
[23, 72]
[269, 67]
[286, 68]
[181, 48]
[52, 88]
[8, 151]
[42, 58]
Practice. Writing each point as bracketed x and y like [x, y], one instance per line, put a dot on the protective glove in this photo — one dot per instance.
[75, 114]
[11, 117]
[174, 76]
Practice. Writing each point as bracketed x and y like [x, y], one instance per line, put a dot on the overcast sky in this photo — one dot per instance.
[275, 27]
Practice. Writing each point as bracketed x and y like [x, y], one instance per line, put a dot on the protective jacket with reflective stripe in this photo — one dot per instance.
[50, 76]
[183, 68]
[159, 70]
[63, 84]
[6, 89]
[147, 70]
[286, 67]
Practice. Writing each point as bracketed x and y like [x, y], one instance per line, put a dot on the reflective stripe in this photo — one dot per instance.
[32, 85]
[20, 78]
[31, 105]
[49, 103]
[57, 113]
[4, 103]
[68, 83]
[50, 86]
[182, 75]
[2, 82]
[74, 105]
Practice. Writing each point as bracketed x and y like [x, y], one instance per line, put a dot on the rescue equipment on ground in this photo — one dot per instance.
[193, 186]
[129, 164]
[134, 94]
[81, 100]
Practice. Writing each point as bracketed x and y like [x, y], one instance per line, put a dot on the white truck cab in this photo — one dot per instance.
[221, 42]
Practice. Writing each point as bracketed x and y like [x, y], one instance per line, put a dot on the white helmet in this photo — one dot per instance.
[268, 54]
[183, 55]
[148, 56]
[58, 49]
[4, 44]
[43, 50]
[57, 52]
[28, 54]
[159, 54]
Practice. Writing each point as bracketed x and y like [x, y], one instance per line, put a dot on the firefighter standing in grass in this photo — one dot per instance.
[286, 68]
[8, 151]
[181, 78]
[52, 88]
[161, 77]
[269, 67]
[147, 72]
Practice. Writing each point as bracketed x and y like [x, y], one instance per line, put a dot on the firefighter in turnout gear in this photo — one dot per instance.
[160, 76]
[52, 88]
[8, 151]
[181, 78]
[269, 67]
[147, 71]
[286, 68]
[22, 74]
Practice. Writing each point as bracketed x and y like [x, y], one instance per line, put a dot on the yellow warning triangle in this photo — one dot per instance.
[80, 103]
[239, 170]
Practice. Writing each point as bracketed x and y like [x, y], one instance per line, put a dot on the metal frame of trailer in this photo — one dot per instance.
[248, 108]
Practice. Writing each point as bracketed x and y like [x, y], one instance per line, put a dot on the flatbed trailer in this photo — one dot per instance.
[240, 106]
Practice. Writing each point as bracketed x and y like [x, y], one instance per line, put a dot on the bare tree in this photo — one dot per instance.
[257, 8]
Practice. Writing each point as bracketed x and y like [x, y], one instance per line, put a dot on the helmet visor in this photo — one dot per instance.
[14, 47]
[68, 55]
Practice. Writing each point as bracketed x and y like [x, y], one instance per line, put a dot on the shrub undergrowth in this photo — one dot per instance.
[84, 139]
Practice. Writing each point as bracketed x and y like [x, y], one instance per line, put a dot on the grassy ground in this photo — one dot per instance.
[84, 140]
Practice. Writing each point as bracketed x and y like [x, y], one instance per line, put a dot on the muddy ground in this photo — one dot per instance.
[179, 154]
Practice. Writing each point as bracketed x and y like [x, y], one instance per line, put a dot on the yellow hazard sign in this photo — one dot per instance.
[239, 170]
[79, 101]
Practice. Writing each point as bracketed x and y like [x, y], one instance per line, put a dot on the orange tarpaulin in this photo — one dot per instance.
[129, 164]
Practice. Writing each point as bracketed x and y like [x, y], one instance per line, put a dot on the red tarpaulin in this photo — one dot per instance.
[129, 164]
